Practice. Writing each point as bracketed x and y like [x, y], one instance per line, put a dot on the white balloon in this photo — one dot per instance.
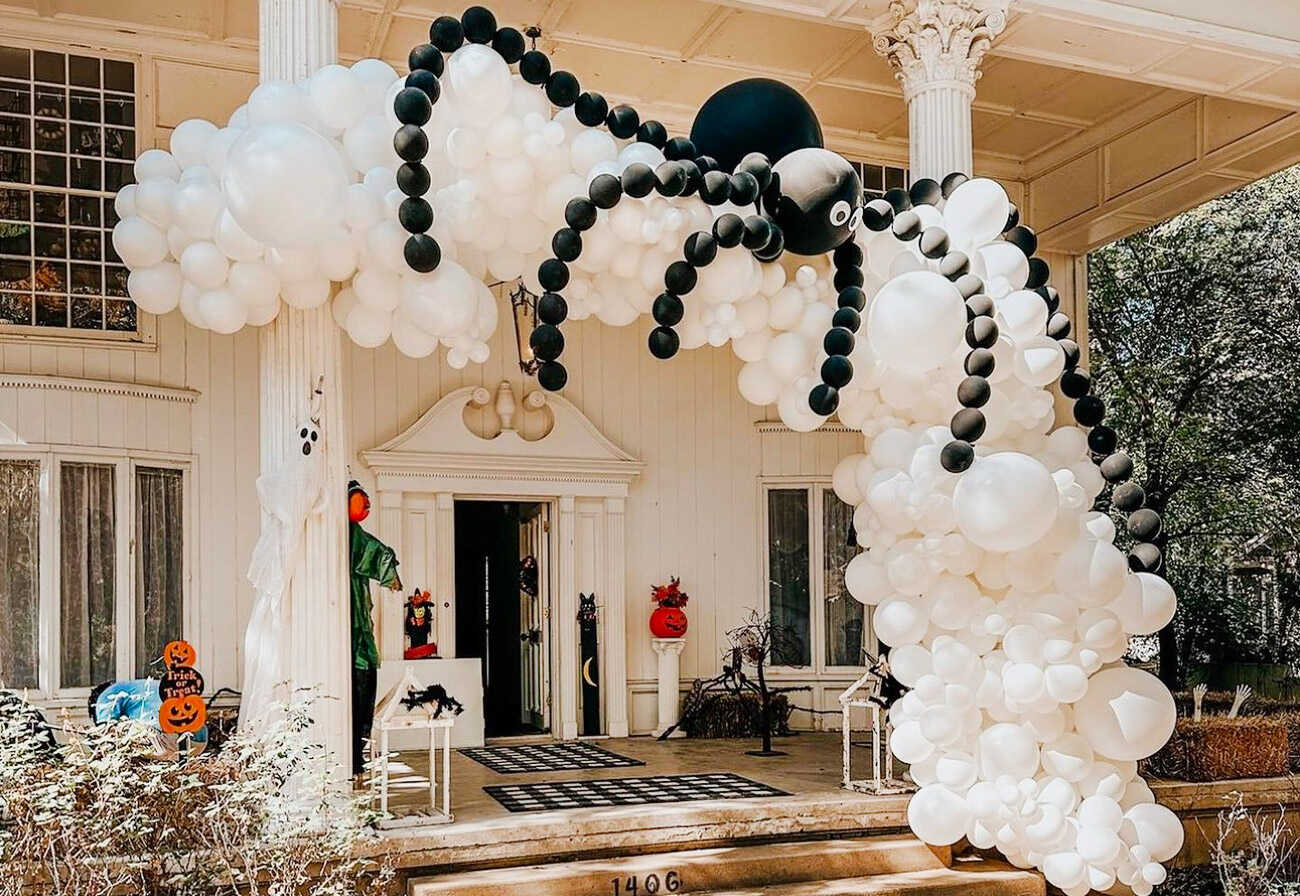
[1145, 605]
[337, 96]
[154, 164]
[1157, 829]
[480, 80]
[1005, 502]
[938, 815]
[305, 294]
[204, 265]
[369, 327]
[976, 212]
[285, 184]
[155, 289]
[1126, 714]
[138, 243]
[189, 141]
[916, 321]
[254, 283]
[222, 312]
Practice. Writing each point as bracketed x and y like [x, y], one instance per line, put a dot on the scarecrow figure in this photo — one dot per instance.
[370, 559]
[289, 495]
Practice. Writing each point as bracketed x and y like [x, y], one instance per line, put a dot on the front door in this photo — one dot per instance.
[498, 619]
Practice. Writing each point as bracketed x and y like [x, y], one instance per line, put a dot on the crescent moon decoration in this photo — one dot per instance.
[586, 673]
[923, 319]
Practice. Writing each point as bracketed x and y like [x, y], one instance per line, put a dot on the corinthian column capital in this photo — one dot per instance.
[939, 42]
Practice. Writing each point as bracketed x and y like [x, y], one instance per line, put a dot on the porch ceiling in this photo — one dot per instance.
[1113, 114]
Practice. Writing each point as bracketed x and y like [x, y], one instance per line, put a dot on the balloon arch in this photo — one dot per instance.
[999, 589]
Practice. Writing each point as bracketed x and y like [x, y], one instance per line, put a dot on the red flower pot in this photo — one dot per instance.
[668, 622]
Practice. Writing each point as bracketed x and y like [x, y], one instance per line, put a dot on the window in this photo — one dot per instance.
[876, 179]
[809, 541]
[67, 145]
[98, 598]
[20, 584]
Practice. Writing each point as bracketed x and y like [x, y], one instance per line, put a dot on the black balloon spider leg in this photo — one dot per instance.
[414, 103]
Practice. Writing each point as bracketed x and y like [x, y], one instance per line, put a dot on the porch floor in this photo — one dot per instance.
[484, 833]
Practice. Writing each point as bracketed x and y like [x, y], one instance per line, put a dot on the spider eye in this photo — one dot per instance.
[840, 213]
[856, 220]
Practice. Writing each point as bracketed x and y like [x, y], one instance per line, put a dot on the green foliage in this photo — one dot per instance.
[1193, 331]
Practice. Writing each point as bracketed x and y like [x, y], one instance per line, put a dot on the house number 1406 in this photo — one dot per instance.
[649, 885]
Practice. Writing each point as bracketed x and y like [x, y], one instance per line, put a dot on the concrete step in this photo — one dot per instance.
[963, 879]
[698, 870]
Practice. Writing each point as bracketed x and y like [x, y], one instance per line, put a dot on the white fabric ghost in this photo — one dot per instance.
[289, 495]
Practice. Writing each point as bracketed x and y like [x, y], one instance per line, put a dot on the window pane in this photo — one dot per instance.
[87, 571]
[787, 570]
[159, 563]
[20, 584]
[844, 615]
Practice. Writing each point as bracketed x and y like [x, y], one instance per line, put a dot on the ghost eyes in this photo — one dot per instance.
[840, 213]
[302, 434]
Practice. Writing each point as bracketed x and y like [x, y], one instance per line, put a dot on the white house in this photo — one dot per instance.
[129, 444]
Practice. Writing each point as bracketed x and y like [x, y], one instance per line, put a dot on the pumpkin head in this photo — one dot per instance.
[358, 503]
[668, 622]
[178, 653]
[183, 715]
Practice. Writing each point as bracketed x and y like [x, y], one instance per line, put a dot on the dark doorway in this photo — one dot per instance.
[501, 610]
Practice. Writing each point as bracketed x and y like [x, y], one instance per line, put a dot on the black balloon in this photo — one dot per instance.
[552, 376]
[907, 225]
[1144, 524]
[728, 229]
[446, 33]
[591, 109]
[754, 115]
[479, 24]
[509, 44]
[824, 399]
[427, 81]
[566, 245]
[670, 179]
[838, 341]
[1117, 467]
[981, 332]
[974, 391]
[663, 342]
[668, 309]
[652, 132]
[1144, 557]
[952, 182]
[980, 362]
[411, 143]
[415, 214]
[623, 122]
[547, 342]
[562, 89]
[957, 456]
[821, 200]
[925, 191]
[412, 106]
[968, 424]
[413, 179]
[878, 215]
[700, 248]
[846, 319]
[427, 57]
[1075, 383]
[638, 180]
[580, 213]
[422, 253]
[1128, 497]
[744, 188]
[934, 243]
[552, 309]
[758, 230]
[837, 371]
[535, 67]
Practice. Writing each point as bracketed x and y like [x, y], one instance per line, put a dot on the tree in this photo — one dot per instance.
[1193, 330]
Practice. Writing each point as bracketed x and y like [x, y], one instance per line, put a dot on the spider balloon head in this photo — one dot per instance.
[820, 203]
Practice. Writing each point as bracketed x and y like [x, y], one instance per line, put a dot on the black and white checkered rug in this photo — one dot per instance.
[560, 757]
[628, 791]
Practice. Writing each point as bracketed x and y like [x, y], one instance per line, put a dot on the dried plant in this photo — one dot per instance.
[264, 816]
[1267, 865]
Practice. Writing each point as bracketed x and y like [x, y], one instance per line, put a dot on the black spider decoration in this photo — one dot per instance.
[435, 694]
[809, 202]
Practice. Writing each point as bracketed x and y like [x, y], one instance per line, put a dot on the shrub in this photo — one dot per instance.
[263, 816]
[731, 715]
[1218, 748]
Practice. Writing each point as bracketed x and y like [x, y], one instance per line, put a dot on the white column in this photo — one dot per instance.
[670, 659]
[298, 351]
[565, 605]
[935, 48]
[444, 564]
[615, 671]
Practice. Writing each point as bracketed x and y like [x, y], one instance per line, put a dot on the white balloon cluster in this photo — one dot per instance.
[1004, 600]
[296, 193]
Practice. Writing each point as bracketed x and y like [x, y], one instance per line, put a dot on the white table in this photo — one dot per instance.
[463, 679]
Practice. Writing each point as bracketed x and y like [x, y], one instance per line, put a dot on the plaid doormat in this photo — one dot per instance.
[628, 791]
[558, 757]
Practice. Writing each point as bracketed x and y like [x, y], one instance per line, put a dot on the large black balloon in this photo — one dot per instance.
[821, 200]
[754, 115]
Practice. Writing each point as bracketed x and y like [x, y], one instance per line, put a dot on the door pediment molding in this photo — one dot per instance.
[547, 447]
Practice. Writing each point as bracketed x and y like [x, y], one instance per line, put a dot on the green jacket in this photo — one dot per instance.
[371, 559]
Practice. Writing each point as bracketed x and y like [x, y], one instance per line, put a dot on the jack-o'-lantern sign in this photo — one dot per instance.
[178, 653]
[183, 715]
[180, 681]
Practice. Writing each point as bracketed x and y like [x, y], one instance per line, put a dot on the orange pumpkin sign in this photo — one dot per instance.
[183, 715]
[178, 653]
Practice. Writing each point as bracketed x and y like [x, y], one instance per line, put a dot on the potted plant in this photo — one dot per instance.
[668, 619]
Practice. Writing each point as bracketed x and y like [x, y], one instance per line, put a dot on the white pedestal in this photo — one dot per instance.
[463, 679]
[670, 654]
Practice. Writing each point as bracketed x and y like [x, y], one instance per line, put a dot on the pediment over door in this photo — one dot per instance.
[479, 441]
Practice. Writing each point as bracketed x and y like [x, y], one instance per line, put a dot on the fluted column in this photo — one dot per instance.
[935, 48]
[298, 353]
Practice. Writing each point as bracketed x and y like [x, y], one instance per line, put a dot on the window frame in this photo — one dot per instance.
[51, 458]
[145, 337]
[814, 488]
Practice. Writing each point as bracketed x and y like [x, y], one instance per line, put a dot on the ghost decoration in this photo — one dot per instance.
[289, 495]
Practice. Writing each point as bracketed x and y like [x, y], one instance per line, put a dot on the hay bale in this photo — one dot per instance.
[1219, 748]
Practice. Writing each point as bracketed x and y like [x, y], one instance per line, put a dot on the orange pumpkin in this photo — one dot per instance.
[183, 715]
[178, 653]
[668, 622]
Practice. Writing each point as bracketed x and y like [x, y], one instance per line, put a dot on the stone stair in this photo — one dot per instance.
[842, 867]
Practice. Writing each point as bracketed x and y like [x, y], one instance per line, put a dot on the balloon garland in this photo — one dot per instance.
[1000, 591]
